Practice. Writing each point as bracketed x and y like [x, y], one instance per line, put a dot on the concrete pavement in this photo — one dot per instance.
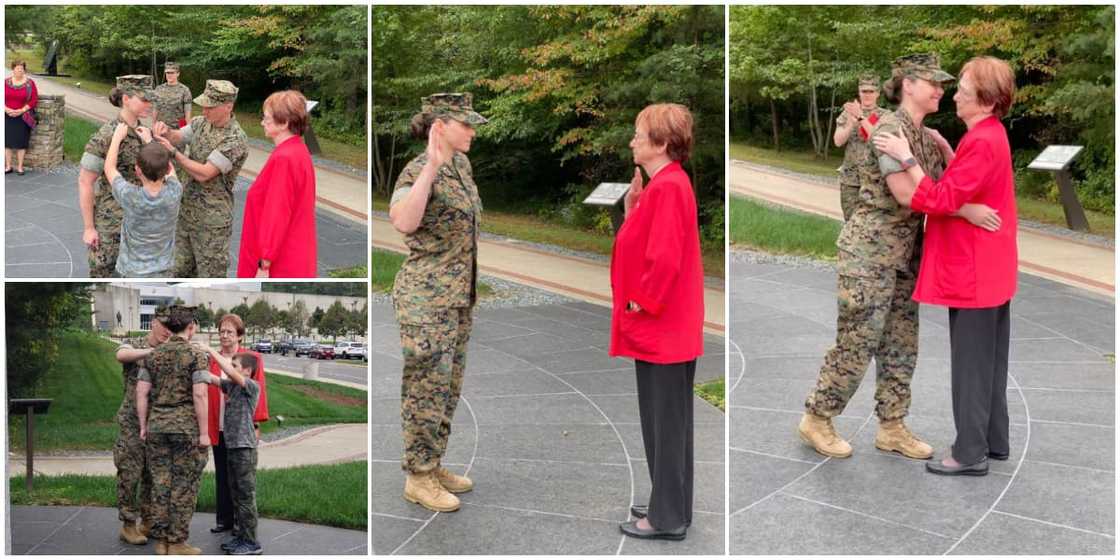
[93, 530]
[1064, 260]
[579, 278]
[344, 194]
[1056, 494]
[548, 428]
[322, 445]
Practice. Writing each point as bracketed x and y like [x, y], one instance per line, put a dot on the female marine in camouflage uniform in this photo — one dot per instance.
[436, 205]
[102, 215]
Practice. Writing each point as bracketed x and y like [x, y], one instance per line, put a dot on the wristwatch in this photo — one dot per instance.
[908, 163]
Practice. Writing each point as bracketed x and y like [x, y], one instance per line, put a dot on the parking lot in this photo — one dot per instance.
[353, 371]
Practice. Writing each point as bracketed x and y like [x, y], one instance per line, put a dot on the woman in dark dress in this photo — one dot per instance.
[20, 96]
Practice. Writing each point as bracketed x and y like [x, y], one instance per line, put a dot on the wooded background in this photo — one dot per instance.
[792, 67]
[561, 86]
[319, 50]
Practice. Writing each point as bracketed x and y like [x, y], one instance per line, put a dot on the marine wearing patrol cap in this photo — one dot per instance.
[454, 105]
[926, 66]
[866, 80]
[171, 66]
[137, 85]
[216, 93]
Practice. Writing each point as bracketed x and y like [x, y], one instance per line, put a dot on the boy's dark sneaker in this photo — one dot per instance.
[231, 543]
[247, 548]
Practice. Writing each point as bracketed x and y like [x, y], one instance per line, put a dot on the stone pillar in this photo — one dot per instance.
[45, 148]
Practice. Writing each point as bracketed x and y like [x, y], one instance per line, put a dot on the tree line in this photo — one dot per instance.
[561, 86]
[319, 50]
[262, 318]
[792, 67]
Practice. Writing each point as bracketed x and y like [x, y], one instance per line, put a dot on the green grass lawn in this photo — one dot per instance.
[75, 134]
[771, 229]
[333, 495]
[250, 121]
[86, 386]
[385, 267]
[1033, 209]
[537, 230]
[713, 392]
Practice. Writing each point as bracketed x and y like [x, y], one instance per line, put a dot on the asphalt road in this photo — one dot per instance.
[353, 371]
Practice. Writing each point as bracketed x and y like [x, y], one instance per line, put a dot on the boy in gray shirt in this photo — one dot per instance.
[151, 211]
[242, 393]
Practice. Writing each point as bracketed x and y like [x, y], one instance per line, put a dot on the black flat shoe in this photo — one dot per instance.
[639, 512]
[630, 529]
[19, 172]
[977, 469]
[999, 457]
[220, 528]
[8, 170]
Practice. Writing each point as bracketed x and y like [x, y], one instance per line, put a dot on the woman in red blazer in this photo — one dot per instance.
[278, 231]
[230, 332]
[970, 270]
[658, 289]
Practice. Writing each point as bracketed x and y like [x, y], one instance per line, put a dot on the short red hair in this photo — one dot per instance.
[669, 124]
[994, 82]
[288, 107]
[236, 321]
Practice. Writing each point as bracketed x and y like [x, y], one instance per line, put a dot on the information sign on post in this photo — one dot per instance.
[1057, 159]
[610, 195]
[309, 135]
[29, 407]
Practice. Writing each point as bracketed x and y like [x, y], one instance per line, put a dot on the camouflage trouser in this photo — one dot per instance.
[176, 462]
[434, 345]
[242, 475]
[202, 246]
[849, 198]
[877, 318]
[132, 470]
[103, 259]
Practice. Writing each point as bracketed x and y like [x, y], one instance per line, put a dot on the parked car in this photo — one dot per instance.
[282, 347]
[322, 352]
[303, 347]
[346, 349]
[263, 346]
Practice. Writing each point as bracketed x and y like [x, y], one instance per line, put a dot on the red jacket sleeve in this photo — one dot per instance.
[261, 414]
[664, 247]
[966, 176]
[276, 216]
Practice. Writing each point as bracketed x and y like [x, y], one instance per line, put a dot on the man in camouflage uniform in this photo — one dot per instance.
[175, 375]
[102, 215]
[173, 99]
[879, 247]
[434, 293]
[128, 452]
[218, 148]
[847, 134]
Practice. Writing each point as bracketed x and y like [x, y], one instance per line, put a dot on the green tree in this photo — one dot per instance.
[334, 321]
[36, 315]
[316, 318]
[297, 319]
[260, 316]
[204, 316]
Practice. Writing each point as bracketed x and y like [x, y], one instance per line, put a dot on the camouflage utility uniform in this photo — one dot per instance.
[202, 240]
[855, 152]
[174, 456]
[128, 452]
[171, 101]
[879, 248]
[107, 212]
[434, 293]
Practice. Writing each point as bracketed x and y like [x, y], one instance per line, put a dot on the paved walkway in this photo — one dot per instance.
[1056, 494]
[93, 530]
[1068, 261]
[344, 194]
[43, 228]
[548, 429]
[579, 278]
[323, 445]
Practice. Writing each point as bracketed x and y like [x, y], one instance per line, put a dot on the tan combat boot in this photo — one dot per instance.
[895, 436]
[452, 482]
[130, 535]
[183, 549]
[425, 490]
[146, 527]
[161, 547]
[818, 432]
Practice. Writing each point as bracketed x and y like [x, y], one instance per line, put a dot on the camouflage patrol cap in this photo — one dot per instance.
[926, 66]
[162, 314]
[171, 67]
[454, 105]
[216, 93]
[868, 80]
[136, 85]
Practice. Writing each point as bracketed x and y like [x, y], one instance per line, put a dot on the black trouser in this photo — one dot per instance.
[665, 407]
[979, 340]
[224, 511]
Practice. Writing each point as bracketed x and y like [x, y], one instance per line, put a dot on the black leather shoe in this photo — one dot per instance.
[977, 469]
[220, 528]
[998, 456]
[631, 529]
[639, 512]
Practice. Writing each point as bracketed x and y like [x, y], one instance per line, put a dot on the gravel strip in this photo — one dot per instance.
[506, 294]
[747, 256]
[318, 160]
